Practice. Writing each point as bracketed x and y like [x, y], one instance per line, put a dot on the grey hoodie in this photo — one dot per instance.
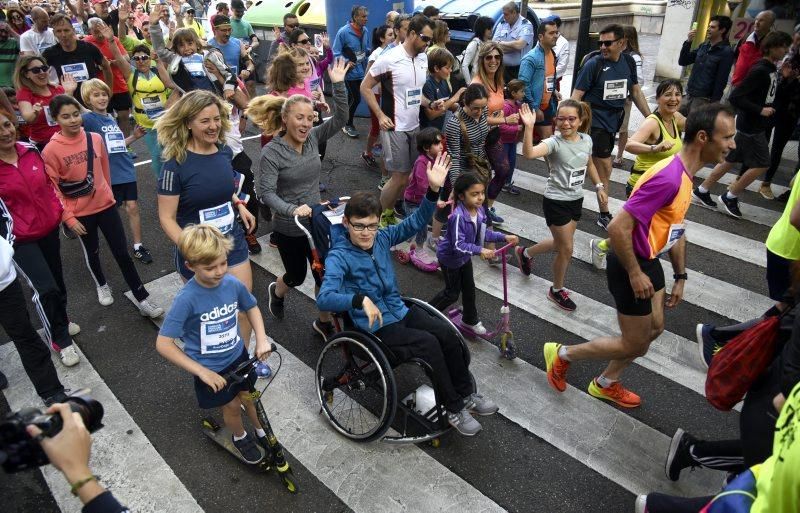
[287, 179]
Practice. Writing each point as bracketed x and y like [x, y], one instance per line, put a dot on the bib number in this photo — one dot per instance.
[577, 177]
[676, 231]
[220, 216]
[773, 86]
[48, 116]
[615, 89]
[79, 71]
[550, 84]
[413, 97]
[195, 68]
[115, 142]
[219, 336]
[153, 107]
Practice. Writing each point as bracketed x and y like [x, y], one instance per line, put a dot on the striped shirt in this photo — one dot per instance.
[477, 130]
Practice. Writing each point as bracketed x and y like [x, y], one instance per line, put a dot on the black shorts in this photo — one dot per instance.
[559, 213]
[125, 192]
[752, 150]
[120, 101]
[207, 399]
[778, 276]
[619, 284]
[602, 142]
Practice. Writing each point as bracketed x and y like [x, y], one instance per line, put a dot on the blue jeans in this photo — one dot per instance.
[151, 140]
[511, 151]
[423, 233]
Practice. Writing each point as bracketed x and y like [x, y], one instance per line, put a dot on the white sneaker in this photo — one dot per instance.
[73, 329]
[598, 255]
[478, 329]
[149, 309]
[69, 356]
[641, 504]
[433, 243]
[104, 296]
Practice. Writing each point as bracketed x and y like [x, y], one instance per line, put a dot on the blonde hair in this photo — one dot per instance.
[173, 126]
[267, 111]
[203, 244]
[20, 79]
[497, 84]
[92, 85]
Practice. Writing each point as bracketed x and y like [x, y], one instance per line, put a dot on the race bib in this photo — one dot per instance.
[220, 216]
[20, 119]
[676, 231]
[152, 106]
[194, 67]
[43, 45]
[115, 142]
[220, 335]
[78, 70]
[413, 97]
[314, 84]
[78, 29]
[773, 86]
[550, 83]
[615, 89]
[48, 116]
[577, 176]
[360, 56]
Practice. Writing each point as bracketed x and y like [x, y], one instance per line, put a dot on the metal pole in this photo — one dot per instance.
[583, 38]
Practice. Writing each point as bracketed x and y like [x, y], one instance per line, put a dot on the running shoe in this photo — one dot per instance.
[556, 367]
[369, 159]
[324, 328]
[248, 449]
[350, 131]
[616, 393]
[561, 299]
[388, 219]
[382, 183]
[464, 423]
[603, 219]
[706, 344]
[525, 262]
[433, 243]
[679, 455]
[69, 356]
[73, 329]
[784, 197]
[272, 242]
[253, 247]
[149, 309]
[275, 304]
[641, 504]
[598, 254]
[512, 189]
[766, 191]
[104, 296]
[477, 328]
[496, 219]
[703, 198]
[479, 405]
[59, 397]
[731, 206]
[143, 255]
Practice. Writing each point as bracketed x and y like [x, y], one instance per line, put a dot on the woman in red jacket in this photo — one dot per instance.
[34, 213]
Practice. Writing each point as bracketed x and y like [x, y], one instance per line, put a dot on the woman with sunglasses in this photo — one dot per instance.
[568, 157]
[16, 20]
[34, 93]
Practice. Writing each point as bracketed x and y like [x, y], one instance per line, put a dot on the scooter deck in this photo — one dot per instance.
[223, 437]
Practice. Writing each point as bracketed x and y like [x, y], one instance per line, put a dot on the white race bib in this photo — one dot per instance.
[615, 89]
[676, 231]
[550, 83]
[220, 335]
[413, 97]
[115, 142]
[78, 70]
[153, 107]
[194, 67]
[577, 177]
[48, 116]
[220, 216]
[773, 86]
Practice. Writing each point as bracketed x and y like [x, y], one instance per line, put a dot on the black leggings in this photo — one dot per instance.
[244, 165]
[295, 252]
[110, 224]
[458, 281]
[33, 353]
[783, 132]
[353, 98]
[423, 336]
[39, 263]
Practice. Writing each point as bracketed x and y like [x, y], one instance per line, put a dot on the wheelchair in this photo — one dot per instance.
[355, 374]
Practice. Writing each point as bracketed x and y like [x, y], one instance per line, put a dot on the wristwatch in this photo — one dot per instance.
[682, 276]
[652, 148]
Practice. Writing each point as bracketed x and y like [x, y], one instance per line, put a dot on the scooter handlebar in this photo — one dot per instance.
[241, 371]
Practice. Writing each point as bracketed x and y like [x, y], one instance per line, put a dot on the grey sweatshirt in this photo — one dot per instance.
[288, 179]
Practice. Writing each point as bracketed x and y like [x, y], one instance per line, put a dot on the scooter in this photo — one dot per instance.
[506, 345]
[272, 452]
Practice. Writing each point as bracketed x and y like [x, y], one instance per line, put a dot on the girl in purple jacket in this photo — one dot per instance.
[466, 234]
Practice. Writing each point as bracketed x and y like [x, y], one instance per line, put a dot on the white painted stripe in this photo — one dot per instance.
[702, 290]
[122, 455]
[601, 437]
[407, 478]
[699, 234]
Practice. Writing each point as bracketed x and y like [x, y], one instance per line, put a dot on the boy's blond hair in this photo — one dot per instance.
[92, 85]
[203, 244]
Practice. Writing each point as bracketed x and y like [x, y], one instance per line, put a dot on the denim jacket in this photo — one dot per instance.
[712, 64]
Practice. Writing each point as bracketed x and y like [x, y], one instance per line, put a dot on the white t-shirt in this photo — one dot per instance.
[8, 273]
[404, 77]
[36, 42]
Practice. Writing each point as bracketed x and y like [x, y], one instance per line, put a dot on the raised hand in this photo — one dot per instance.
[528, 117]
[338, 70]
[69, 84]
[123, 9]
[276, 31]
[326, 42]
[108, 34]
[155, 14]
[437, 173]
[139, 132]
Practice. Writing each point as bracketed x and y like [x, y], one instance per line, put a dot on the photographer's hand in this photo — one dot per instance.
[69, 451]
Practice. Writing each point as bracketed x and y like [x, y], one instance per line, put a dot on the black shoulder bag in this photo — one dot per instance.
[86, 186]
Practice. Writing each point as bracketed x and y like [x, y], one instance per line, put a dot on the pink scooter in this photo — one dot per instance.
[506, 345]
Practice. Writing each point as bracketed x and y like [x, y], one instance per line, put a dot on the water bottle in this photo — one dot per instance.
[263, 370]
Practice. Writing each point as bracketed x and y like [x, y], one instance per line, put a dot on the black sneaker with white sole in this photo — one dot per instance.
[603, 219]
[323, 328]
[248, 449]
[275, 304]
[679, 456]
[731, 206]
[703, 198]
[143, 255]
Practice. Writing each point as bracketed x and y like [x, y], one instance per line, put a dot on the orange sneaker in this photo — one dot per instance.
[556, 367]
[616, 393]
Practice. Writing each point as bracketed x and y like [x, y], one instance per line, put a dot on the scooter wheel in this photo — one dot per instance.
[289, 483]
[209, 423]
[507, 348]
[435, 443]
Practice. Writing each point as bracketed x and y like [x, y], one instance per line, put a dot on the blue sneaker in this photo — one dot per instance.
[496, 219]
[706, 343]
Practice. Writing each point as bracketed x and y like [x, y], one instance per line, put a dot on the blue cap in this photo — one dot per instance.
[553, 18]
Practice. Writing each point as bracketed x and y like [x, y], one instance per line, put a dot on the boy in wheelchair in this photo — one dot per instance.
[359, 279]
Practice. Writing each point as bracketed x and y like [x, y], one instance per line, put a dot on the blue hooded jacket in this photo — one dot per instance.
[532, 72]
[351, 271]
[353, 48]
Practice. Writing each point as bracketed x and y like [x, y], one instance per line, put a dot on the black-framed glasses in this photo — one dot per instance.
[609, 42]
[38, 69]
[305, 41]
[426, 39]
[292, 27]
[361, 227]
[141, 58]
[493, 57]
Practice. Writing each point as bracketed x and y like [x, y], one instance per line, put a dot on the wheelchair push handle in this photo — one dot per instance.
[240, 373]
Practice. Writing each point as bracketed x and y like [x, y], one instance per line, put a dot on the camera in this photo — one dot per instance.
[18, 451]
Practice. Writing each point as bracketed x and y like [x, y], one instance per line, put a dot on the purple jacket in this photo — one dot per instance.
[464, 238]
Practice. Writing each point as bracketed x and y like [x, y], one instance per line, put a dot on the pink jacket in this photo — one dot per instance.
[510, 133]
[418, 183]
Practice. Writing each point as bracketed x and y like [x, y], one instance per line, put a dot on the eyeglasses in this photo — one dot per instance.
[493, 57]
[304, 41]
[570, 119]
[141, 58]
[361, 227]
[38, 69]
[608, 43]
[293, 26]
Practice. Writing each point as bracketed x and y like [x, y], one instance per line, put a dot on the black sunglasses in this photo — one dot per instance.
[426, 39]
[292, 26]
[141, 57]
[304, 41]
[38, 69]
[608, 43]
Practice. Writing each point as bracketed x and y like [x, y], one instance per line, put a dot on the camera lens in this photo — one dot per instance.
[90, 410]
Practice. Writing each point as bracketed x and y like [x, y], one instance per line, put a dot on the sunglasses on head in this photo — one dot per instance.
[608, 43]
[38, 69]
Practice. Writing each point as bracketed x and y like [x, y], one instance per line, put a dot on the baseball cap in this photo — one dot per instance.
[186, 8]
[95, 2]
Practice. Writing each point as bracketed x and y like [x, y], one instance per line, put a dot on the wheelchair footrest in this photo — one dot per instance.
[422, 401]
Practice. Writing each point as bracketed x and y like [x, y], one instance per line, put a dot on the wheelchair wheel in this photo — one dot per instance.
[356, 387]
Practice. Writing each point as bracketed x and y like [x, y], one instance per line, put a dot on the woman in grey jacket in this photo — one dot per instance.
[289, 179]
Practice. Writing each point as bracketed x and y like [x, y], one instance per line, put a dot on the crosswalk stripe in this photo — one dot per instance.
[699, 234]
[701, 289]
[122, 455]
[601, 437]
[414, 479]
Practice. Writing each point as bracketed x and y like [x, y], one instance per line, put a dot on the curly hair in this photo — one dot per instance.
[173, 126]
